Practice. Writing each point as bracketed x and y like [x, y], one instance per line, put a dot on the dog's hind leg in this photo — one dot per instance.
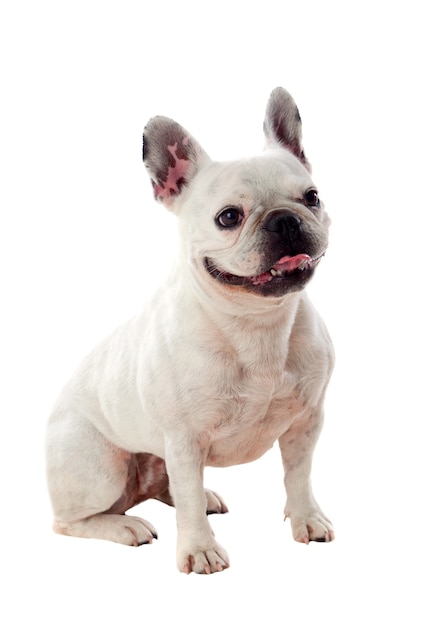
[92, 483]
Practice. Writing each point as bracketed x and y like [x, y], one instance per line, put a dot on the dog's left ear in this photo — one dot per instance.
[172, 157]
[282, 124]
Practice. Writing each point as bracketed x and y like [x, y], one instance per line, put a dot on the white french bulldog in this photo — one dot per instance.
[227, 357]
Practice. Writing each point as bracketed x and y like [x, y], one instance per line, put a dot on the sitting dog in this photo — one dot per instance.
[228, 357]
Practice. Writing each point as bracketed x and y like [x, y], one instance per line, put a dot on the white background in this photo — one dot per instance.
[83, 242]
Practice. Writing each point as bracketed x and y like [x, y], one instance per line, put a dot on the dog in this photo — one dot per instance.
[228, 357]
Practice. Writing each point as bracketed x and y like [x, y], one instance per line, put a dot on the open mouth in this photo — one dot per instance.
[288, 272]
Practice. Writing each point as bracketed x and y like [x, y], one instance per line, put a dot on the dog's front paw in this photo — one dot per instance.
[314, 526]
[203, 560]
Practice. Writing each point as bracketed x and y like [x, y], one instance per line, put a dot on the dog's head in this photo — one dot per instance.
[255, 225]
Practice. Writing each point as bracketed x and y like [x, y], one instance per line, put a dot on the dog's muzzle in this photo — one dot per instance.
[286, 241]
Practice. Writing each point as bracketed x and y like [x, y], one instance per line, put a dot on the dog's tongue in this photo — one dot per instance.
[285, 264]
[290, 263]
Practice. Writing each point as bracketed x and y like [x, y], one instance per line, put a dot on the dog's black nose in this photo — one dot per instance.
[285, 224]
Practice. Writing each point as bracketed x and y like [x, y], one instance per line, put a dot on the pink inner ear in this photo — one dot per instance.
[176, 174]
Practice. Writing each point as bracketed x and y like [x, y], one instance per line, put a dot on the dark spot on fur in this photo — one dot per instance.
[181, 152]
[146, 478]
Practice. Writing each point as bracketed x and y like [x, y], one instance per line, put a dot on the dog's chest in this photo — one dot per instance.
[248, 424]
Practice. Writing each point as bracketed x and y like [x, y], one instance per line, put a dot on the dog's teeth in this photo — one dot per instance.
[305, 264]
[275, 272]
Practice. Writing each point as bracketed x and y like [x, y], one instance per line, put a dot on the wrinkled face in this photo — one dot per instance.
[256, 225]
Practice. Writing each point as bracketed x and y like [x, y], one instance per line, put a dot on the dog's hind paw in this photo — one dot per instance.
[215, 504]
[125, 529]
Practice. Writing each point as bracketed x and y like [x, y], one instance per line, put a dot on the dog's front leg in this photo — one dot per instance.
[197, 550]
[297, 445]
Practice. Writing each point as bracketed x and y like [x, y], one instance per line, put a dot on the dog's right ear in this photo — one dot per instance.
[282, 125]
[172, 157]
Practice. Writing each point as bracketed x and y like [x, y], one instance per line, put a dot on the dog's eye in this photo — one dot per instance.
[311, 198]
[230, 217]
